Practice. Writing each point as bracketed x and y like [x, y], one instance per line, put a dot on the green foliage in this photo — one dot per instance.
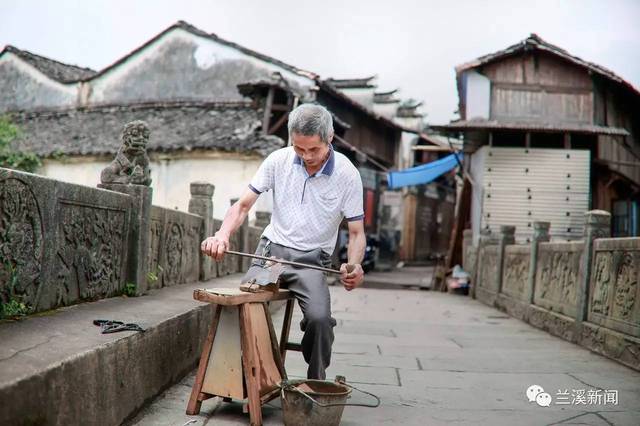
[9, 157]
[59, 155]
[129, 289]
[152, 277]
[13, 307]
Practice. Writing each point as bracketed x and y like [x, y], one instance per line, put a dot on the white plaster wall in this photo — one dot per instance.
[208, 53]
[23, 86]
[362, 95]
[476, 171]
[415, 123]
[407, 141]
[171, 179]
[478, 96]
[386, 110]
[231, 177]
[74, 171]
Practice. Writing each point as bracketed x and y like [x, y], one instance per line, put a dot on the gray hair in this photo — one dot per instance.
[310, 120]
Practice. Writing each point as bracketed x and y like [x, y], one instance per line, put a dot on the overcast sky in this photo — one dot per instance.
[411, 45]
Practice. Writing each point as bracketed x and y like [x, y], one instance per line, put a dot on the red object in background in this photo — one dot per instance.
[369, 207]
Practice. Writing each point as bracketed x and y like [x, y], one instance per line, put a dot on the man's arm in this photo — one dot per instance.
[355, 253]
[216, 245]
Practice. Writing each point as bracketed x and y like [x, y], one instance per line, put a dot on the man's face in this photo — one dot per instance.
[310, 148]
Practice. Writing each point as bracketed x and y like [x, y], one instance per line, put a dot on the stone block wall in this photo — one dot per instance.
[586, 292]
[174, 254]
[557, 277]
[486, 289]
[515, 271]
[60, 243]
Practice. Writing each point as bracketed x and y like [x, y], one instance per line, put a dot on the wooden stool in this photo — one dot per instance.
[240, 357]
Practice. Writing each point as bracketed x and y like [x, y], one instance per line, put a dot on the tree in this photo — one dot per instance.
[11, 158]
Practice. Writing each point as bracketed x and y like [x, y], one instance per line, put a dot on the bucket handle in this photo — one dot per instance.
[286, 385]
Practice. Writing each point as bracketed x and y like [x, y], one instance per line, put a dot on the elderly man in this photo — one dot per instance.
[313, 188]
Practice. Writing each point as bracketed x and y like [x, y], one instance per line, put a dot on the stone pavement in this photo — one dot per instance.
[406, 277]
[438, 359]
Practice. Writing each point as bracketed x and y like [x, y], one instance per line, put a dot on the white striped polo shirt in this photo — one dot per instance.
[307, 210]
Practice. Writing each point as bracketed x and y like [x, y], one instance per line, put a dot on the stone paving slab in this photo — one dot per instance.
[449, 360]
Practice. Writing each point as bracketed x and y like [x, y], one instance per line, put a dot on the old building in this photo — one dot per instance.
[215, 109]
[547, 136]
[190, 141]
[29, 81]
[186, 83]
[414, 222]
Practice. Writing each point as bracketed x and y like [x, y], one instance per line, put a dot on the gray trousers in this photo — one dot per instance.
[312, 292]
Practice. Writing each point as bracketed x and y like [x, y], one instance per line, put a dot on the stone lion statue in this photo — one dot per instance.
[131, 165]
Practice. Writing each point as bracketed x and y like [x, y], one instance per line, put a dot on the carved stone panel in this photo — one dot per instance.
[614, 288]
[179, 245]
[602, 283]
[516, 271]
[192, 251]
[89, 259]
[470, 261]
[488, 265]
[173, 248]
[21, 243]
[556, 286]
[625, 295]
[154, 268]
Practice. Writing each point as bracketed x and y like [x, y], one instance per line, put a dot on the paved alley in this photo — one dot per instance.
[437, 359]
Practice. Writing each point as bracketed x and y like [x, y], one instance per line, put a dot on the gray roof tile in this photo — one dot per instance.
[232, 127]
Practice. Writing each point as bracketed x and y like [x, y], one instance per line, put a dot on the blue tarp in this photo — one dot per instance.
[424, 173]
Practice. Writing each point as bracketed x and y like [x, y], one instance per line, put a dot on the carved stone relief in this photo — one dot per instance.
[600, 301]
[488, 266]
[174, 246]
[89, 257]
[558, 274]
[21, 243]
[516, 273]
[153, 260]
[624, 298]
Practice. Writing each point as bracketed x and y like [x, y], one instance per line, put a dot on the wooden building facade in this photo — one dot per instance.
[547, 136]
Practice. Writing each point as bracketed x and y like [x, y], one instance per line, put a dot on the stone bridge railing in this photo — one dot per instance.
[586, 291]
[62, 243]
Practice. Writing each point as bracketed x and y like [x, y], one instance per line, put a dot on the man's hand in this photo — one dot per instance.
[216, 246]
[352, 279]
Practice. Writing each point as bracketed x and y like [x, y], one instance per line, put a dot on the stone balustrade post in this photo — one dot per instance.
[506, 237]
[262, 219]
[139, 238]
[201, 203]
[597, 225]
[483, 240]
[540, 234]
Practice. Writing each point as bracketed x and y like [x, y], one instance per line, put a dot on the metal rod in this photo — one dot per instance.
[284, 262]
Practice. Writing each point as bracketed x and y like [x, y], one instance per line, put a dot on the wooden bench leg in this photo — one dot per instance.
[286, 326]
[250, 366]
[195, 401]
[274, 343]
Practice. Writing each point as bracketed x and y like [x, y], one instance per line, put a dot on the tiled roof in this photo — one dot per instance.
[58, 71]
[232, 127]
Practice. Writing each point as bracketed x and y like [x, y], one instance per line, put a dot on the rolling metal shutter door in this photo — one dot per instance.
[526, 185]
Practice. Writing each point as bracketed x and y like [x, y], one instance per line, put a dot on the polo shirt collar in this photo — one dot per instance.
[327, 168]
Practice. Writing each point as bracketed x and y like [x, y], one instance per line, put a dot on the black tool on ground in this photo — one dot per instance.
[110, 326]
